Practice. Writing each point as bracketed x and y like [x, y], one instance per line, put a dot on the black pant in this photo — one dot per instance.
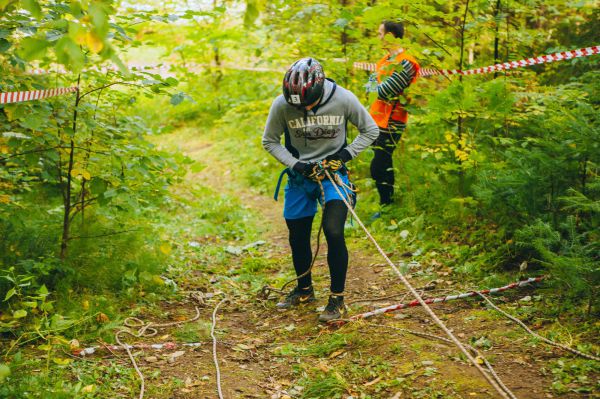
[382, 168]
[334, 217]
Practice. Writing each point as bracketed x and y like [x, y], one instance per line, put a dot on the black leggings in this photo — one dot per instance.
[334, 217]
[382, 168]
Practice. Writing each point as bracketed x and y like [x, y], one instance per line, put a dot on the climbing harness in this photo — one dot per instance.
[435, 318]
[349, 190]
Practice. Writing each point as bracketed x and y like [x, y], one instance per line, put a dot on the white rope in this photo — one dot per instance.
[417, 296]
[145, 330]
[546, 340]
[135, 366]
[215, 359]
[472, 349]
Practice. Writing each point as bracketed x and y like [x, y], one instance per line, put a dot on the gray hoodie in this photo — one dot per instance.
[313, 135]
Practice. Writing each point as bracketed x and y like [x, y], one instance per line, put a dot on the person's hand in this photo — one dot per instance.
[334, 162]
[310, 170]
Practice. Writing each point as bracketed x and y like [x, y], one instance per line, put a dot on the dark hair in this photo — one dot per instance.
[395, 28]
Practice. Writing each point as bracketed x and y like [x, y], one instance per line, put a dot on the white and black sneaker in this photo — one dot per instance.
[298, 296]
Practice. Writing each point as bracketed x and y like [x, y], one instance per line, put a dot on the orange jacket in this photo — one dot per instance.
[382, 110]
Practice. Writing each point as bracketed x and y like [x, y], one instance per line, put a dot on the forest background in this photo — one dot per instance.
[497, 171]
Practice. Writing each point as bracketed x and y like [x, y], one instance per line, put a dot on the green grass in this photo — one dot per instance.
[329, 386]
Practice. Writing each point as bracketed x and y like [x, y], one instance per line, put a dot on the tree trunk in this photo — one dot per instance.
[67, 190]
[497, 36]
[461, 175]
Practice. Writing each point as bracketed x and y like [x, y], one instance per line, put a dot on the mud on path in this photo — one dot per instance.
[266, 353]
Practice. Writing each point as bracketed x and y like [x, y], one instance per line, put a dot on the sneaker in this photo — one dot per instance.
[334, 310]
[297, 297]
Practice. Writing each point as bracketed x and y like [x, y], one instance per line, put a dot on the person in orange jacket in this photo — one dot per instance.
[394, 73]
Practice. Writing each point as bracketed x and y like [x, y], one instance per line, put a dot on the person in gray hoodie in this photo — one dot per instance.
[312, 116]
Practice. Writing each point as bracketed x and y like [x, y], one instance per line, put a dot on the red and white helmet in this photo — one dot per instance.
[303, 82]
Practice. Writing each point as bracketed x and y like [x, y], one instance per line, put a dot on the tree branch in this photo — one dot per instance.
[108, 85]
[114, 233]
[29, 152]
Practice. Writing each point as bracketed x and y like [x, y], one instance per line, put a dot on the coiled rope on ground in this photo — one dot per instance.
[145, 330]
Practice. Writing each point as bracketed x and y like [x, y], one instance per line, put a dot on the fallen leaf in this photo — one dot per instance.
[102, 318]
[336, 353]
[523, 266]
[323, 367]
[375, 381]
[88, 388]
[526, 299]
[173, 356]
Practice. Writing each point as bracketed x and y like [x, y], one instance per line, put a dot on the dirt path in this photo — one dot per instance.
[265, 353]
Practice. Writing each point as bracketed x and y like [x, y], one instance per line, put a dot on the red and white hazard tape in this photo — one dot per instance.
[392, 308]
[20, 96]
[563, 55]
[167, 345]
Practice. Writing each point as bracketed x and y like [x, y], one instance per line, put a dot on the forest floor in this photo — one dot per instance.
[267, 353]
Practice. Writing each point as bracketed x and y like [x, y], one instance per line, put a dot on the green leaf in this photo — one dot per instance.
[172, 81]
[198, 167]
[177, 98]
[19, 314]
[122, 67]
[69, 54]
[33, 7]
[43, 290]
[98, 186]
[10, 293]
[251, 13]
[32, 48]
[4, 45]
[30, 304]
[99, 16]
[4, 372]
[47, 307]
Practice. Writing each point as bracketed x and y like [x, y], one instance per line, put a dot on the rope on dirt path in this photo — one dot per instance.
[446, 298]
[266, 290]
[437, 320]
[471, 348]
[546, 340]
[145, 330]
[215, 359]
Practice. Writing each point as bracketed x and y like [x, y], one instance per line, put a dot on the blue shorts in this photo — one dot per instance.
[301, 195]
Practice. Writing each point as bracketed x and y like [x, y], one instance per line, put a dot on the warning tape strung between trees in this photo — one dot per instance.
[560, 56]
[21, 96]
[414, 303]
